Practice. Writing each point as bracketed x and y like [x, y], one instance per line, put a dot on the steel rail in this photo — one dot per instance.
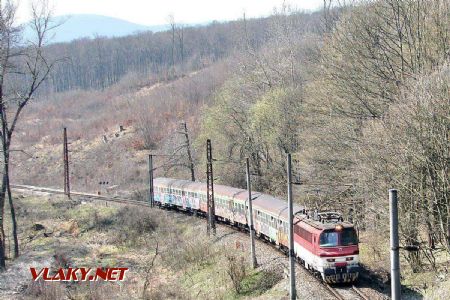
[334, 292]
[358, 291]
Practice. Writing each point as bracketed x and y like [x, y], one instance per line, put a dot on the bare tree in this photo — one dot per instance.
[173, 28]
[23, 69]
[180, 34]
[188, 150]
[148, 272]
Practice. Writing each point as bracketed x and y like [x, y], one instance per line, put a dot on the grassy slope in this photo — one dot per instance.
[94, 235]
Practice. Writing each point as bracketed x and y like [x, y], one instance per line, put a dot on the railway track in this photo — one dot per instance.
[360, 294]
[342, 293]
[337, 292]
[78, 194]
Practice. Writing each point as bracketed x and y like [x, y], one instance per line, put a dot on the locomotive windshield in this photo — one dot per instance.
[329, 239]
[349, 237]
[333, 238]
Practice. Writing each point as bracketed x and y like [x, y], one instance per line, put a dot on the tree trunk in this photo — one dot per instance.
[11, 206]
[2, 231]
[188, 149]
[3, 190]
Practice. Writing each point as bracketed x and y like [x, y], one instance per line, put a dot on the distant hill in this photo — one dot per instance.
[84, 25]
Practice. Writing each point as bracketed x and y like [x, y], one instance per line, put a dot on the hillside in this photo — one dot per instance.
[93, 119]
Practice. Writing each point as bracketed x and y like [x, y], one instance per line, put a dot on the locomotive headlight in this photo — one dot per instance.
[339, 227]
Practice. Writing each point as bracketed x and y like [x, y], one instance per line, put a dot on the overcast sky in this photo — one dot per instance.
[154, 12]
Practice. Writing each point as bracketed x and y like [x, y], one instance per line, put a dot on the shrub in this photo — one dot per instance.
[266, 280]
[166, 291]
[45, 290]
[191, 249]
[235, 268]
[133, 223]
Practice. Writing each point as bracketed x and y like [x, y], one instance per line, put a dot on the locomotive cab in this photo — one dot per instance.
[339, 254]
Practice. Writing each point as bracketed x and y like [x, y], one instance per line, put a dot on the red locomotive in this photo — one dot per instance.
[323, 242]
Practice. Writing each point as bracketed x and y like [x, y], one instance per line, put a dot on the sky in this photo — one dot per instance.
[155, 12]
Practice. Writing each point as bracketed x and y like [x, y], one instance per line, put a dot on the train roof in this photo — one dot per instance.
[263, 202]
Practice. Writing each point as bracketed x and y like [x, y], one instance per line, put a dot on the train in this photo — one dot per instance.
[323, 242]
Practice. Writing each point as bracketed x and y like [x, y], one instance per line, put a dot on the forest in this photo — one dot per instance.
[358, 92]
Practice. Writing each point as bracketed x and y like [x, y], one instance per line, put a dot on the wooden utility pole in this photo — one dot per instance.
[250, 217]
[211, 224]
[151, 193]
[395, 261]
[292, 291]
[66, 164]
[188, 149]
